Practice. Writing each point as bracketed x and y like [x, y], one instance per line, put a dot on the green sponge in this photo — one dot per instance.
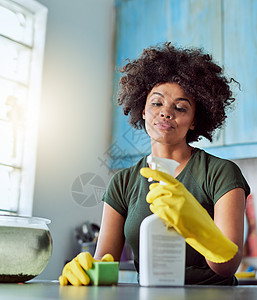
[104, 273]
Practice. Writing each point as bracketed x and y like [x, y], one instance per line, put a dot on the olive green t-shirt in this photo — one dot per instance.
[207, 177]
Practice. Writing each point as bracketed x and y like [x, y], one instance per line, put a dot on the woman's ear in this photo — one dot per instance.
[143, 114]
[192, 127]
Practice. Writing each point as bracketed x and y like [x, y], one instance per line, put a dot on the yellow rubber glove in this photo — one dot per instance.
[73, 271]
[178, 208]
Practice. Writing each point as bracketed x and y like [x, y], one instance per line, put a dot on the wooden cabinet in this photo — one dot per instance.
[227, 29]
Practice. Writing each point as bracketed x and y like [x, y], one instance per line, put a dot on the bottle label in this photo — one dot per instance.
[168, 258]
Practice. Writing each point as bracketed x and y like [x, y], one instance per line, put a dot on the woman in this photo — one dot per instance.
[177, 96]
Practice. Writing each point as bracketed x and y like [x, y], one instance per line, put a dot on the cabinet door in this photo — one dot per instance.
[240, 58]
[240, 61]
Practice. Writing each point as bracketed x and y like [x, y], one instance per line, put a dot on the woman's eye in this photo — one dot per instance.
[180, 109]
[156, 104]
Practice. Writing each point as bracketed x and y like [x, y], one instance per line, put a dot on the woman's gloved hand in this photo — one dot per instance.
[73, 271]
[178, 208]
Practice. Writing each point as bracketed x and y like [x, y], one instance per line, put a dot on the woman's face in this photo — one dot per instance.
[169, 113]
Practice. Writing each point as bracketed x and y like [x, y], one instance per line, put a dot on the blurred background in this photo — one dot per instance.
[63, 133]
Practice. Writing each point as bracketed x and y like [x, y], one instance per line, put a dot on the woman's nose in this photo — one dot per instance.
[166, 114]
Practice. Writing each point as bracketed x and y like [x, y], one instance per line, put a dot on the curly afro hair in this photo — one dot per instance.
[201, 79]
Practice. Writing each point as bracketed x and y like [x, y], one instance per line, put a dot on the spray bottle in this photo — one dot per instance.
[161, 250]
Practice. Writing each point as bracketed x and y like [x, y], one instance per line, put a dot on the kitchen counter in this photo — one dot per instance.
[38, 290]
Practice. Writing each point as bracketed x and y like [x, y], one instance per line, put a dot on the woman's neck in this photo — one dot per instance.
[181, 154]
[178, 153]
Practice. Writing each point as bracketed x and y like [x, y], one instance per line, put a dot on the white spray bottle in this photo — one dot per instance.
[161, 250]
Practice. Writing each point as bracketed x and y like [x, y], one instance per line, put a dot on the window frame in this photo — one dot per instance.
[28, 163]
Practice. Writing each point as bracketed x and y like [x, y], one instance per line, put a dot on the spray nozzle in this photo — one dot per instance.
[162, 164]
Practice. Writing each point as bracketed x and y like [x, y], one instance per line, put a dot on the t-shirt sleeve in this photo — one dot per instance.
[114, 194]
[226, 176]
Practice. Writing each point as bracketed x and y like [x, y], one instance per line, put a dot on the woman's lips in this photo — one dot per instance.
[164, 126]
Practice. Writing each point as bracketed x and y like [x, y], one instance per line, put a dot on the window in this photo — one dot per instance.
[22, 35]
